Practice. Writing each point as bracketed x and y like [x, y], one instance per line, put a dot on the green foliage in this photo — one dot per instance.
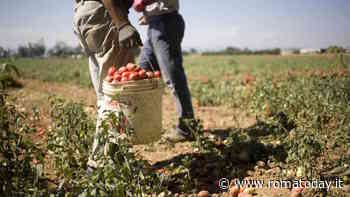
[211, 93]
[21, 163]
[343, 61]
[335, 49]
[303, 124]
[70, 139]
[121, 173]
[318, 108]
[217, 80]
[61, 70]
[216, 68]
[7, 75]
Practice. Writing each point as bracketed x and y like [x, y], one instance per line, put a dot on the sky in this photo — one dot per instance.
[210, 24]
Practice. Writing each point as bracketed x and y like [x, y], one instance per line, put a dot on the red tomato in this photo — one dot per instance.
[149, 74]
[126, 74]
[109, 78]
[142, 74]
[117, 77]
[111, 71]
[138, 69]
[124, 79]
[114, 82]
[116, 74]
[122, 69]
[157, 74]
[131, 66]
[134, 76]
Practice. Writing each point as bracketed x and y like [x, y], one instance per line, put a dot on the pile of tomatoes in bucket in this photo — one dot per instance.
[130, 72]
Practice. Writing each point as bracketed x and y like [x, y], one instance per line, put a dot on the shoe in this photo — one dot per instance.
[176, 136]
[185, 131]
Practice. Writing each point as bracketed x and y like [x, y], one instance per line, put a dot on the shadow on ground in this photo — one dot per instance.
[230, 157]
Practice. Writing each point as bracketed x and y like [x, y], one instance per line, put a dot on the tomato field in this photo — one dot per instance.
[262, 117]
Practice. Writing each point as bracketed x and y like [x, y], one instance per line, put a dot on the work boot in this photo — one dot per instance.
[184, 131]
[175, 136]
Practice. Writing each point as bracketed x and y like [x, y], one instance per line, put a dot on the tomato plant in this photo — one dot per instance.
[21, 163]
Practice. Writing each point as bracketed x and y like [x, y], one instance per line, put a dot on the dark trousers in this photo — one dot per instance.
[162, 50]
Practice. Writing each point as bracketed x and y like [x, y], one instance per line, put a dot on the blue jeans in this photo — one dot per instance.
[162, 50]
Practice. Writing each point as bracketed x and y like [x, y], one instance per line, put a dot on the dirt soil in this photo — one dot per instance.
[36, 93]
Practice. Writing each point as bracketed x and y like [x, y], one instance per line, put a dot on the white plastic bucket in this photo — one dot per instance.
[141, 101]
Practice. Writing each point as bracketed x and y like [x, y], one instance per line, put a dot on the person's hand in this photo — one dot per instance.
[128, 36]
[143, 20]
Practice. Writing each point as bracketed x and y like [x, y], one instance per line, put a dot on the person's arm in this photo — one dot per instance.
[128, 35]
[117, 12]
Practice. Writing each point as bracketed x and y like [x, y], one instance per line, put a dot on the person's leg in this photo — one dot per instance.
[95, 71]
[99, 38]
[98, 71]
[166, 37]
[97, 147]
[147, 58]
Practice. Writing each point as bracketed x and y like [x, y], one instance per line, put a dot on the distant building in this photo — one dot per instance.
[77, 56]
[289, 51]
[347, 50]
[310, 51]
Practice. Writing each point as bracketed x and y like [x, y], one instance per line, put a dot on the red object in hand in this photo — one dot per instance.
[139, 5]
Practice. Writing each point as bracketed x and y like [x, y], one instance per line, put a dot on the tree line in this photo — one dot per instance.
[38, 49]
[274, 51]
[61, 49]
[244, 51]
